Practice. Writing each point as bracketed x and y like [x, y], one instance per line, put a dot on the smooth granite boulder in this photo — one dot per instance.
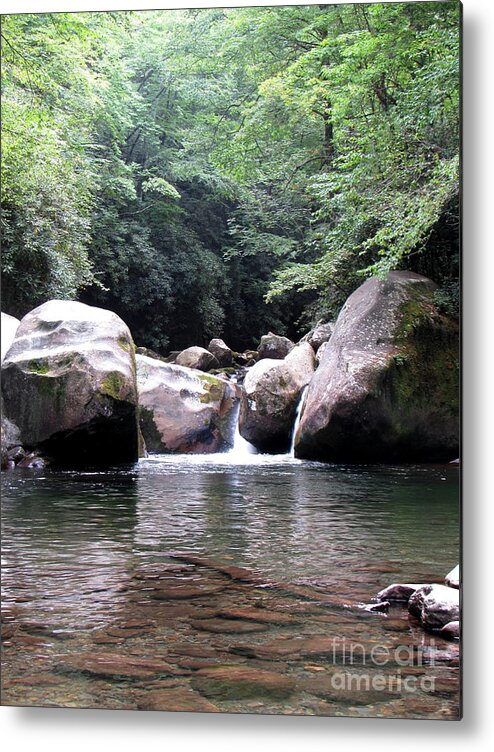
[182, 409]
[387, 388]
[68, 384]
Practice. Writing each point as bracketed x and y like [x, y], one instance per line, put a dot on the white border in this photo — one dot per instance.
[76, 730]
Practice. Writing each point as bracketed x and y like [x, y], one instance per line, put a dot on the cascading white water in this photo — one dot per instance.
[241, 447]
[298, 415]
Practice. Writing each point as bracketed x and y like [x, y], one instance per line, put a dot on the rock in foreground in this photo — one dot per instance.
[435, 605]
[182, 409]
[68, 383]
[387, 385]
[271, 392]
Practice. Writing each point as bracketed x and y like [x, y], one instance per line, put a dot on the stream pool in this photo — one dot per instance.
[226, 583]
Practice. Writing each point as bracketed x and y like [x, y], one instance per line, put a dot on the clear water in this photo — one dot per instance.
[87, 556]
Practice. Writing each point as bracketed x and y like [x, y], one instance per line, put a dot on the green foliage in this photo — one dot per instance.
[224, 172]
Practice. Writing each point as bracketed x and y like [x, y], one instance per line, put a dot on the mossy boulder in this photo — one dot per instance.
[68, 383]
[182, 409]
[269, 401]
[387, 386]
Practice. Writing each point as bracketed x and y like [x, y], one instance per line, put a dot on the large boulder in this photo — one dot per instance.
[221, 352]
[183, 410]
[274, 346]
[269, 401]
[198, 358]
[387, 385]
[68, 383]
[435, 605]
[9, 328]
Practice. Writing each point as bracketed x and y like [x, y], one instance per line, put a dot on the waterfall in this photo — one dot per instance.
[241, 447]
[298, 415]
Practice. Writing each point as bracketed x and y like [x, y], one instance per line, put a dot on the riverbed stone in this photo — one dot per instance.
[387, 386]
[68, 383]
[115, 665]
[198, 358]
[262, 615]
[274, 346]
[269, 401]
[175, 699]
[182, 409]
[241, 682]
[227, 626]
[435, 605]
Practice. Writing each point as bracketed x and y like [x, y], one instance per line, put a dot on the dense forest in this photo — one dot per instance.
[225, 172]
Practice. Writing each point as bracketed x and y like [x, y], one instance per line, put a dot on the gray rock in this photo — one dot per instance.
[387, 385]
[198, 358]
[9, 327]
[453, 578]
[221, 352]
[68, 383]
[274, 346]
[271, 392]
[182, 409]
[435, 605]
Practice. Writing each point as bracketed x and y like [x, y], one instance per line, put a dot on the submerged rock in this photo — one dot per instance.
[242, 682]
[175, 699]
[68, 383]
[435, 605]
[182, 409]
[9, 328]
[274, 346]
[271, 392]
[198, 358]
[114, 665]
[387, 385]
